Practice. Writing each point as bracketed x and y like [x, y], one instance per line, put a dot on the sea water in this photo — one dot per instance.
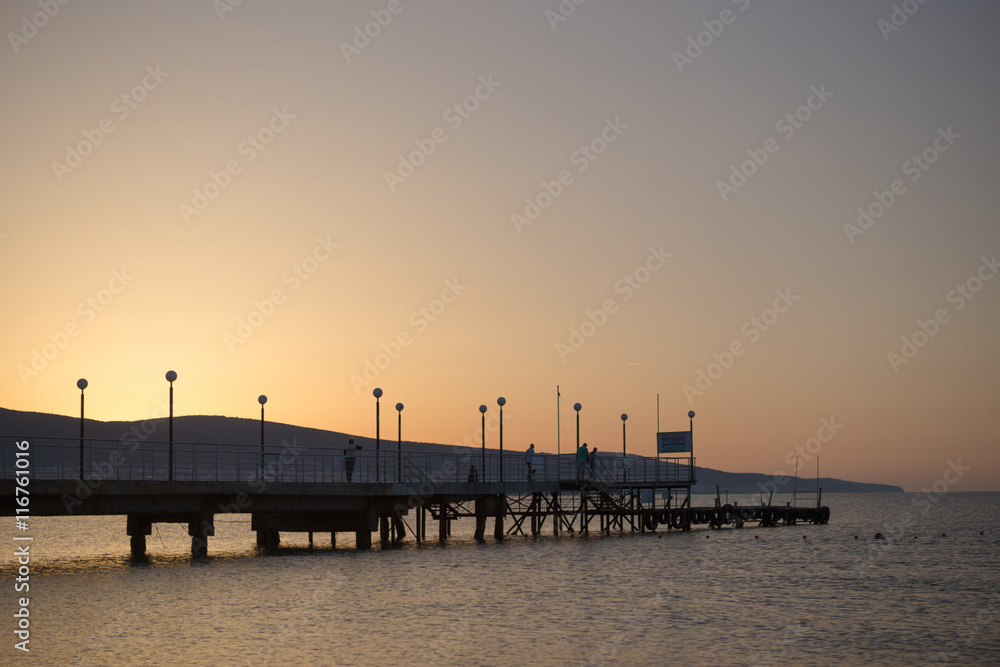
[928, 593]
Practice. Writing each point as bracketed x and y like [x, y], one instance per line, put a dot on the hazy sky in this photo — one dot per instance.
[465, 200]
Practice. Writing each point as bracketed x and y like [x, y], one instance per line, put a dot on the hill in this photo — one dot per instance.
[235, 430]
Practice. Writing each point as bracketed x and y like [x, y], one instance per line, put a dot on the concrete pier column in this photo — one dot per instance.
[137, 544]
[383, 530]
[363, 539]
[200, 528]
[333, 540]
[137, 528]
[310, 540]
[268, 538]
[398, 528]
[556, 513]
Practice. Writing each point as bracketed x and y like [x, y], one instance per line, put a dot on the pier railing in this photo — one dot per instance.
[147, 461]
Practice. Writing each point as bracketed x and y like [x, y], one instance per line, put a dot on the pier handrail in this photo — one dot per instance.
[132, 459]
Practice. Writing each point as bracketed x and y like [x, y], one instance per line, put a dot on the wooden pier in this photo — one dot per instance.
[395, 494]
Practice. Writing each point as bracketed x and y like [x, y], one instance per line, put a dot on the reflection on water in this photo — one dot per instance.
[751, 596]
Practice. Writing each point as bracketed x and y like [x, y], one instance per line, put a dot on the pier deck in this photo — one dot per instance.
[303, 489]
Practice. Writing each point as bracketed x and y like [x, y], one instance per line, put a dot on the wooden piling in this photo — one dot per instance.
[480, 519]
[443, 522]
[498, 521]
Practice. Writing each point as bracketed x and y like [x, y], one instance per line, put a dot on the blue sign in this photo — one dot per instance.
[673, 442]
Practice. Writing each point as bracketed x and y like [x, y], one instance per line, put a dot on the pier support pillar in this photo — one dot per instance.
[399, 528]
[138, 546]
[536, 509]
[383, 530]
[498, 521]
[200, 528]
[310, 539]
[268, 539]
[137, 528]
[556, 513]
[443, 523]
[363, 539]
[480, 519]
[333, 540]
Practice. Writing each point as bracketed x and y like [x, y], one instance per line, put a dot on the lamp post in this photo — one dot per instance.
[624, 419]
[377, 393]
[262, 399]
[624, 472]
[501, 401]
[577, 407]
[82, 384]
[399, 445]
[171, 376]
[482, 409]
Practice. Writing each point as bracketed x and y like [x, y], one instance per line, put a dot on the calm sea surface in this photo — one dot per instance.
[805, 595]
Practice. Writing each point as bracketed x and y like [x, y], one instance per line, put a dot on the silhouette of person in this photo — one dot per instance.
[350, 457]
[529, 457]
[581, 461]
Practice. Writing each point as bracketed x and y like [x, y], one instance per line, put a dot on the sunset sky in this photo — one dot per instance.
[467, 200]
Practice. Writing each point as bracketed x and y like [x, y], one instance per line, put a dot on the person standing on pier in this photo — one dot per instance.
[593, 461]
[581, 461]
[529, 457]
[350, 457]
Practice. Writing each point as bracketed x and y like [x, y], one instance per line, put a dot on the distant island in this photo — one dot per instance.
[235, 430]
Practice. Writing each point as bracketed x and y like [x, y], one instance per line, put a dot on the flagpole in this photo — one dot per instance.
[558, 446]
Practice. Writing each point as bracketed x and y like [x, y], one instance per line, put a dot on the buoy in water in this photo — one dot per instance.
[943, 535]
[980, 532]
[855, 537]
[879, 536]
[756, 537]
[803, 537]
